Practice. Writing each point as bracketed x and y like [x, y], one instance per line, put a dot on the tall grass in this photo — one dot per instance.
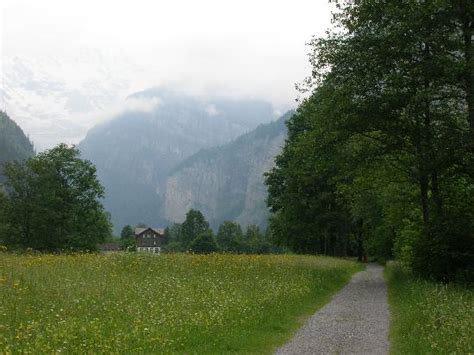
[428, 317]
[167, 303]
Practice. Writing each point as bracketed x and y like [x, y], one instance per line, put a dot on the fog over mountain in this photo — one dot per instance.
[66, 66]
[136, 151]
[57, 98]
[78, 73]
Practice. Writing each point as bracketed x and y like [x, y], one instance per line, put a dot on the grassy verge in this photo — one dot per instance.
[429, 317]
[168, 303]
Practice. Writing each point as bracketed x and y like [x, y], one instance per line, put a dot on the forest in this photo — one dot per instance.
[379, 158]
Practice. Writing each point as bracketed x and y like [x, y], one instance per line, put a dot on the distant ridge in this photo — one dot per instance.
[14, 144]
[136, 151]
[226, 182]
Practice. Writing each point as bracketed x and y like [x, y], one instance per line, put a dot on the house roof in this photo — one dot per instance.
[139, 231]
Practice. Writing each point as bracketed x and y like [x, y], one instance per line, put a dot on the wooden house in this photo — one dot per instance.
[149, 239]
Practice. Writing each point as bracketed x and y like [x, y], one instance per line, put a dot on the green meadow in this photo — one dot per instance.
[429, 317]
[168, 303]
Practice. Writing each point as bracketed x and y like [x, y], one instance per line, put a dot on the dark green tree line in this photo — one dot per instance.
[195, 235]
[382, 149]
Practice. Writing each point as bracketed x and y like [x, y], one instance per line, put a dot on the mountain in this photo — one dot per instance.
[57, 98]
[226, 183]
[135, 151]
[14, 145]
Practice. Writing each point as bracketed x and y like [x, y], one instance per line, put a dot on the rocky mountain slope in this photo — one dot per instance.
[136, 151]
[14, 145]
[226, 183]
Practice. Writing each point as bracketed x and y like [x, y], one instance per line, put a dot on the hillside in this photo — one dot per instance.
[226, 183]
[136, 151]
[14, 145]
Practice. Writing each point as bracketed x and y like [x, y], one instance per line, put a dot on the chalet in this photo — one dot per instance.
[149, 239]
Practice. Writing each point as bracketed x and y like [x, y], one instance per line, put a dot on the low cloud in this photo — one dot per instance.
[134, 104]
[211, 110]
[131, 104]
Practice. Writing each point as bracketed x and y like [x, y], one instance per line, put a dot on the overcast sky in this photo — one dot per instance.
[246, 47]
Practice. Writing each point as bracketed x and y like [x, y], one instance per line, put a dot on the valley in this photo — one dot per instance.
[186, 152]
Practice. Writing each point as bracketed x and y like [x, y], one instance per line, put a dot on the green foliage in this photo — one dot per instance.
[4, 225]
[194, 225]
[128, 244]
[54, 203]
[138, 303]
[230, 237]
[173, 237]
[127, 232]
[205, 243]
[127, 238]
[428, 317]
[255, 242]
[381, 152]
[308, 215]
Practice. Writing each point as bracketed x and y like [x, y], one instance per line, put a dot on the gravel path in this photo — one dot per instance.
[355, 321]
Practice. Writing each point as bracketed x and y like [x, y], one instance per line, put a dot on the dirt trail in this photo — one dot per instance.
[356, 321]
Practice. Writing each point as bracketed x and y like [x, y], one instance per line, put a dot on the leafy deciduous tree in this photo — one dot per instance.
[229, 237]
[194, 225]
[204, 243]
[54, 202]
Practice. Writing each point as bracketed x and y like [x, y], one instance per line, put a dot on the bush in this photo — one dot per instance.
[205, 243]
[445, 252]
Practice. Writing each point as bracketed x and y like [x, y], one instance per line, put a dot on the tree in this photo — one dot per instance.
[194, 225]
[204, 243]
[173, 237]
[127, 238]
[4, 226]
[308, 215]
[414, 109]
[54, 202]
[230, 237]
[390, 111]
[127, 232]
[128, 244]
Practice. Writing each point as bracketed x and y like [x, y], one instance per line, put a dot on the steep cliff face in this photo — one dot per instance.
[226, 183]
[135, 152]
[14, 145]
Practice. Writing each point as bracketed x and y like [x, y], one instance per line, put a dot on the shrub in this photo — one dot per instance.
[205, 243]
